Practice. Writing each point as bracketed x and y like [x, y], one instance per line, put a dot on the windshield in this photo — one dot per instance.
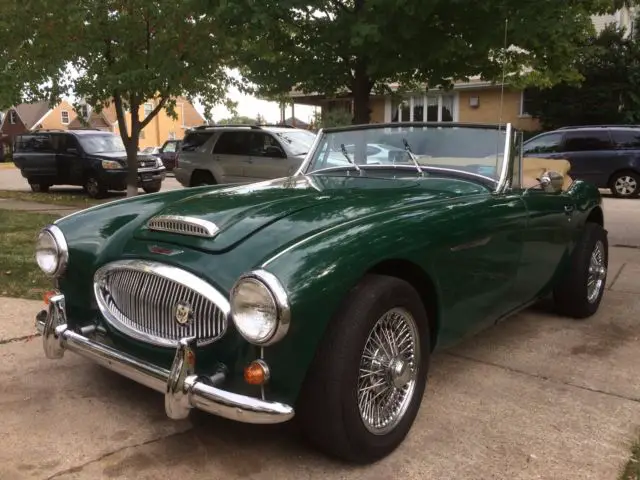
[477, 150]
[298, 141]
[101, 143]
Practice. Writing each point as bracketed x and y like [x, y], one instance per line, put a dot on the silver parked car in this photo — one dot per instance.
[240, 153]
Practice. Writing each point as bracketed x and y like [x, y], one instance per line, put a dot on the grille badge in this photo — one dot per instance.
[183, 313]
[164, 251]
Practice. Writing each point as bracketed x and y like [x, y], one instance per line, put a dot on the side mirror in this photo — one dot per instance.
[551, 182]
[273, 151]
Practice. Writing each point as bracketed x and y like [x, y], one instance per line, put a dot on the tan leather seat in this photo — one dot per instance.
[534, 167]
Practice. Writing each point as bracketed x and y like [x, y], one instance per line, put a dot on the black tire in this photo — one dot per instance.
[572, 295]
[201, 178]
[94, 187]
[328, 409]
[625, 184]
[153, 188]
[40, 187]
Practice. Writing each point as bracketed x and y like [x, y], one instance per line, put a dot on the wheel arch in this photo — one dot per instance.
[596, 215]
[421, 281]
[202, 171]
[620, 171]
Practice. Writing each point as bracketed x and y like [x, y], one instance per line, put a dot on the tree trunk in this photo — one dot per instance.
[132, 151]
[361, 89]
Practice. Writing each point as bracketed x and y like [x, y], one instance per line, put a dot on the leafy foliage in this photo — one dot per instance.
[609, 65]
[120, 52]
[360, 46]
[240, 119]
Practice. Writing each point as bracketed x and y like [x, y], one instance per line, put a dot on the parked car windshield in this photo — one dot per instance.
[477, 150]
[101, 143]
[298, 141]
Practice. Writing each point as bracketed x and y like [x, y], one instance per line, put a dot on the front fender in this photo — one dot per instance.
[318, 273]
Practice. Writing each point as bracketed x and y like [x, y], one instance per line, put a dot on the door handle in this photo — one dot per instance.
[568, 209]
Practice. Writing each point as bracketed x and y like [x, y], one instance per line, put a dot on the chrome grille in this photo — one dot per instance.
[140, 299]
[146, 163]
[183, 226]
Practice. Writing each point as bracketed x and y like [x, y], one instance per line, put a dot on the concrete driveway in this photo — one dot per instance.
[535, 397]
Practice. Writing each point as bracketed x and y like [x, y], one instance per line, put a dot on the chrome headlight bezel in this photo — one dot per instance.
[62, 250]
[277, 294]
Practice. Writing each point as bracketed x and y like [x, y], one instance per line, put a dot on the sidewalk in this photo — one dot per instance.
[537, 396]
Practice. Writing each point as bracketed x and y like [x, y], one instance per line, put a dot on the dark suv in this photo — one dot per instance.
[607, 156]
[93, 159]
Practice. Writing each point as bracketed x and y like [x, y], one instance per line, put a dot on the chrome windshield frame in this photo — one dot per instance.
[502, 183]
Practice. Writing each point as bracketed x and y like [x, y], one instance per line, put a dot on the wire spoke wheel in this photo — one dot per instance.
[597, 272]
[388, 371]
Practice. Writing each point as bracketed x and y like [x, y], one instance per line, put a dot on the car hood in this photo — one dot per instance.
[121, 156]
[297, 206]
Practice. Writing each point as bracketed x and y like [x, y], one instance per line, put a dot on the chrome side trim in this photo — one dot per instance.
[280, 298]
[183, 390]
[174, 274]
[503, 182]
[311, 153]
[181, 225]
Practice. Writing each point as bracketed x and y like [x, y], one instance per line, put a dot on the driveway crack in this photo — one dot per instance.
[543, 377]
[79, 468]
[615, 279]
[19, 339]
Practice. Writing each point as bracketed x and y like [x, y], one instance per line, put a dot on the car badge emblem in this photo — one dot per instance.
[182, 313]
[163, 250]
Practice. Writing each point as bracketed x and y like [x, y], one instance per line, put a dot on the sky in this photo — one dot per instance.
[250, 106]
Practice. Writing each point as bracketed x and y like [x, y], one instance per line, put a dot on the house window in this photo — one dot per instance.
[64, 117]
[425, 108]
[148, 108]
[84, 111]
[13, 117]
[525, 103]
[172, 136]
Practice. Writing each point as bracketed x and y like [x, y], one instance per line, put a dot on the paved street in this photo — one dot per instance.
[535, 397]
[621, 217]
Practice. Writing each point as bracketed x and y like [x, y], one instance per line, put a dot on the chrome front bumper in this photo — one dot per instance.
[183, 390]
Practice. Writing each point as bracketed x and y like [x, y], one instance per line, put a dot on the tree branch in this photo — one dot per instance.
[122, 125]
[154, 112]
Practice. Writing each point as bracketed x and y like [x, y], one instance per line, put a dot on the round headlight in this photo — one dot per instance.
[51, 251]
[259, 308]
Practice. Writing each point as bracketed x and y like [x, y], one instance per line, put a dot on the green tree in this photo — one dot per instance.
[609, 66]
[238, 119]
[121, 52]
[360, 46]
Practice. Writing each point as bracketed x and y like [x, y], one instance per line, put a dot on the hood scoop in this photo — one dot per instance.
[180, 225]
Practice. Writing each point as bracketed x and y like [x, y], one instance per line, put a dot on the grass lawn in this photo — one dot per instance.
[19, 272]
[632, 468]
[70, 199]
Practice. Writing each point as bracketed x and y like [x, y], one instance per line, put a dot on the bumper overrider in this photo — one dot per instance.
[183, 390]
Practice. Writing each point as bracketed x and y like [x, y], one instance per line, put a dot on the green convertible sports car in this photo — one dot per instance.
[322, 296]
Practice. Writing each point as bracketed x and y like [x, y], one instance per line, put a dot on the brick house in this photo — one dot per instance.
[28, 117]
[159, 130]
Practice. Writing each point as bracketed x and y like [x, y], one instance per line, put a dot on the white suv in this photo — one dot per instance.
[240, 153]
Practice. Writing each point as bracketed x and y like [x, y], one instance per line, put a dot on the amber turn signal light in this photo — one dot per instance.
[48, 296]
[256, 373]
